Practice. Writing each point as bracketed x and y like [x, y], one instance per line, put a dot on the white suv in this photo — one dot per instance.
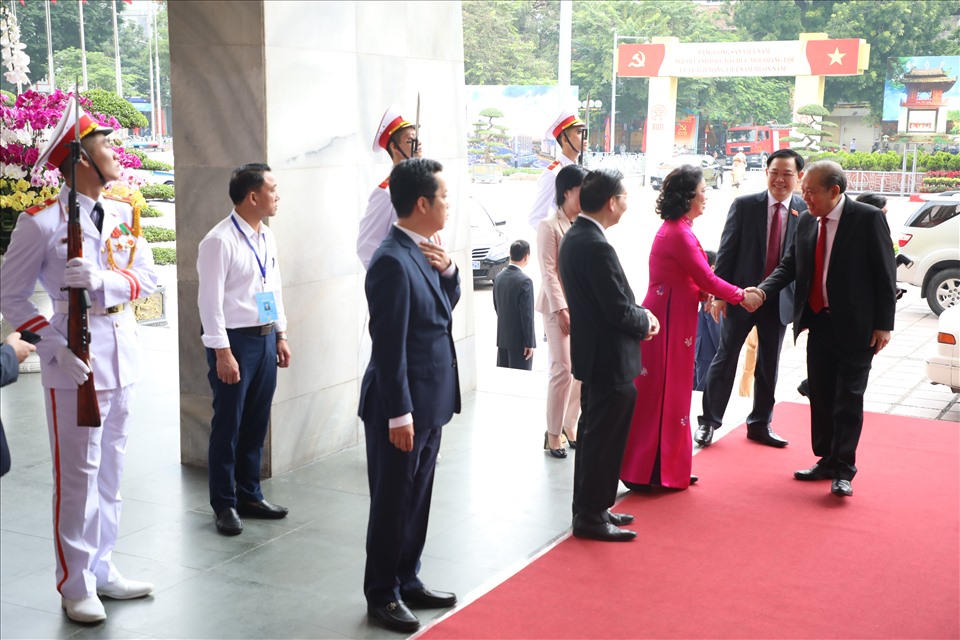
[931, 238]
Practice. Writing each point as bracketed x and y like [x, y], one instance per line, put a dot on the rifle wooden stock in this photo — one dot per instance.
[78, 331]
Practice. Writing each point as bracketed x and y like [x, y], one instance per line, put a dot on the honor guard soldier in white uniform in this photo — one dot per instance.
[399, 138]
[244, 332]
[567, 130]
[116, 268]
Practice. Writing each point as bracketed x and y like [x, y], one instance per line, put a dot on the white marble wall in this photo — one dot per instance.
[313, 81]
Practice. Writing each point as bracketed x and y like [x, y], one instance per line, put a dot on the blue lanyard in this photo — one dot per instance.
[262, 265]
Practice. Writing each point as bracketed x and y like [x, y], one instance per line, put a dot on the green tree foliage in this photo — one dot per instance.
[812, 129]
[68, 69]
[109, 103]
[510, 41]
[489, 136]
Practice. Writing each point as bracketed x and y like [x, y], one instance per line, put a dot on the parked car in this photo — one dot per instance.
[943, 365]
[712, 171]
[930, 238]
[489, 247]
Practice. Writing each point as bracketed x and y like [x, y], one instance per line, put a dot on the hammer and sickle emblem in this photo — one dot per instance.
[638, 60]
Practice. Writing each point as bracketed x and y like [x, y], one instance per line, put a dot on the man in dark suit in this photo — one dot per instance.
[758, 230]
[846, 296]
[13, 351]
[606, 327]
[513, 302]
[412, 286]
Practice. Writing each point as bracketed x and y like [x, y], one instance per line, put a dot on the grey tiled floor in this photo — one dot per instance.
[498, 501]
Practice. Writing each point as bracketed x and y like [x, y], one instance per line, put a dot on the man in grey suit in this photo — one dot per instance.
[758, 230]
[846, 295]
[606, 327]
[513, 302]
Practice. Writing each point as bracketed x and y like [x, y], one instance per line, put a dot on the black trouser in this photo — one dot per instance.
[723, 369]
[513, 359]
[401, 485]
[838, 379]
[601, 439]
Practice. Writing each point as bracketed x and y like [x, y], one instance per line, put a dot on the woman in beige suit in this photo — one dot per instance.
[563, 392]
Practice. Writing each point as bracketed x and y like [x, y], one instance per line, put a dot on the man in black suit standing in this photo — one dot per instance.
[412, 286]
[606, 327]
[846, 296]
[758, 230]
[513, 302]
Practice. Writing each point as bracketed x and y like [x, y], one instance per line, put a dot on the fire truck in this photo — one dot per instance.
[757, 142]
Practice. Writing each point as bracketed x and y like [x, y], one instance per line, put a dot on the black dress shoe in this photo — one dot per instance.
[262, 509]
[804, 388]
[394, 616]
[765, 436]
[693, 479]
[601, 531]
[704, 435]
[637, 487]
[841, 488]
[816, 472]
[229, 522]
[572, 443]
[428, 598]
[556, 453]
[619, 519]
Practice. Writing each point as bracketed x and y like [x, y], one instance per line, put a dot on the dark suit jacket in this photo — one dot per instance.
[9, 371]
[513, 302]
[861, 275]
[413, 364]
[743, 245]
[606, 323]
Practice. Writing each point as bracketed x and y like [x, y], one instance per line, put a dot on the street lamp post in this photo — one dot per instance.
[587, 105]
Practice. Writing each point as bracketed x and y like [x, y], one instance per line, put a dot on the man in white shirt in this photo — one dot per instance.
[567, 130]
[244, 331]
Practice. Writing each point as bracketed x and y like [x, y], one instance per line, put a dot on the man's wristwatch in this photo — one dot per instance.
[281, 335]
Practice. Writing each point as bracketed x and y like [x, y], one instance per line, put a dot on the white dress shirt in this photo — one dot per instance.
[230, 279]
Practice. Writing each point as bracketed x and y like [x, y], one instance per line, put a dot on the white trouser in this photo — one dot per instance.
[563, 391]
[87, 466]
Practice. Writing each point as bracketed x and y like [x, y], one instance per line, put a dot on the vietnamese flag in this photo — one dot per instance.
[833, 57]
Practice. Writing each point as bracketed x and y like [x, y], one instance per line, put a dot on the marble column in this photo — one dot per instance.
[302, 86]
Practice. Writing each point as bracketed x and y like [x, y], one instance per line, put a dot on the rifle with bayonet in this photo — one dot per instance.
[78, 329]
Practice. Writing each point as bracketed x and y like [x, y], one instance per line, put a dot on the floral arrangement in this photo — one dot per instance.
[12, 53]
[25, 127]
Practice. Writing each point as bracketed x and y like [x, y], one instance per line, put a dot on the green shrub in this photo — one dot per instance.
[159, 234]
[157, 191]
[110, 104]
[154, 165]
[10, 97]
[164, 255]
[150, 212]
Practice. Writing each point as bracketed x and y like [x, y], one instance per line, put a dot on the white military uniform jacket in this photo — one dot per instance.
[38, 251]
[376, 222]
[545, 202]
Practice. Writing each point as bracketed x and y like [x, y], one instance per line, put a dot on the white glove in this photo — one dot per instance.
[83, 274]
[75, 368]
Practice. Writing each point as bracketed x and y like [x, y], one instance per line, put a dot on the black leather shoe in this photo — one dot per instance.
[765, 436]
[229, 522]
[619, 519]
[601, 531]
[428, 598]
[816, 472]
[804, 388]
[572, 443]
[394, 616]
[704, 435]
[262, 509]
[694, 479]
[841, 488]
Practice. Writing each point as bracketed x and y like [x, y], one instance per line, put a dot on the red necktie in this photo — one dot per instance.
[773, 243]
[816, 285]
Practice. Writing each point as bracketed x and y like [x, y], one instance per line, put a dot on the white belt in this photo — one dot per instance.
[96, 309]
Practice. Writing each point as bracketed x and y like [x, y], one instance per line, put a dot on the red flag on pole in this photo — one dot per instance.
[128, 1]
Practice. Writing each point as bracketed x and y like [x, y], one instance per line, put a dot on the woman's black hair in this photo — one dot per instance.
[678, 191]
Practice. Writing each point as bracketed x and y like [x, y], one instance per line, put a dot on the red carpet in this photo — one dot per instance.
[749, 552]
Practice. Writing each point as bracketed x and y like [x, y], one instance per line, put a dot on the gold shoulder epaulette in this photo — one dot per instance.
[111, 196]
[37, 208]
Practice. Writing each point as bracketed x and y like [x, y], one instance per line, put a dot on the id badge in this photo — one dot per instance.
[267, 306]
